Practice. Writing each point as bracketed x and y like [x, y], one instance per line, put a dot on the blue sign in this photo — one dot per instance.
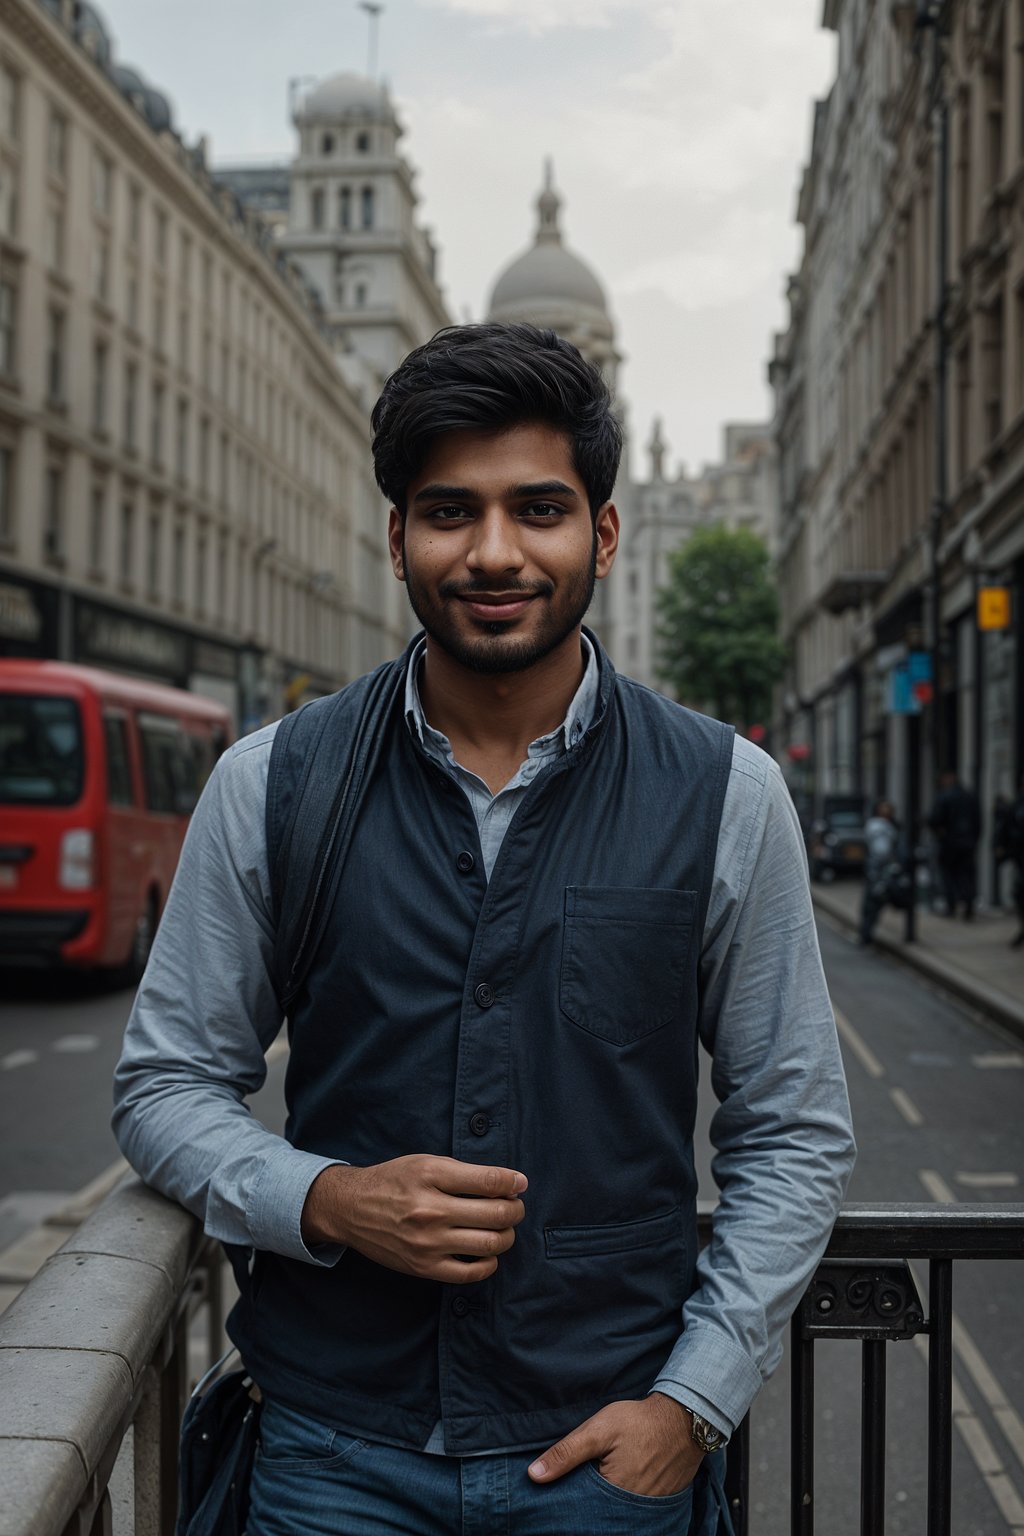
[901, 692]
[919, 666]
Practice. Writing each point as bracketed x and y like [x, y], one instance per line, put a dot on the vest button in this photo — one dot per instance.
[460, 1306]
[479, 1124]
[464, 863]
[484, 995]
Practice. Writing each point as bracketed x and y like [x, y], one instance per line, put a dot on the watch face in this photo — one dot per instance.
[705, 1435]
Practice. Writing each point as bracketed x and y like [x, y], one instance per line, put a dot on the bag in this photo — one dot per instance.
[219, 1434]
[897, 887]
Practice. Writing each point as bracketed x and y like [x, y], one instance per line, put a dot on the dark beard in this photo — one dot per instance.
[496, 651]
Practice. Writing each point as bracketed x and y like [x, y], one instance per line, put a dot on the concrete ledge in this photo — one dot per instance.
[74, 1347]
[952, 978]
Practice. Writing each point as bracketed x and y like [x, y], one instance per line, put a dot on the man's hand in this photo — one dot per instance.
[643, 1446]
[433, 1217]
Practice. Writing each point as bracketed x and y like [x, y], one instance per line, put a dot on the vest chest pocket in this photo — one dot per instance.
[625, 953]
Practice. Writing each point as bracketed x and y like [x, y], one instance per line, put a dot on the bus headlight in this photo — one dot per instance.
[77, 850]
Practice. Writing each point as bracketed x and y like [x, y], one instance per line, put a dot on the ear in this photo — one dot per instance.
[396, 540]
[606, 532]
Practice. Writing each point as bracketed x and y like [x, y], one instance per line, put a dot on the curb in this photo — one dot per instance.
[968, 989]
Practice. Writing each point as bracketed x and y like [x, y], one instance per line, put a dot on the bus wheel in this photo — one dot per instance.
[142, 942]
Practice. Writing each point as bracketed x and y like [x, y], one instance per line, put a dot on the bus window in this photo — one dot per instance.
[119, 774]
[41, 760]
[167, 767]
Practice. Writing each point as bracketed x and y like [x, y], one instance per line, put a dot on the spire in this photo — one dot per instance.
[548, 205]
[657, 448]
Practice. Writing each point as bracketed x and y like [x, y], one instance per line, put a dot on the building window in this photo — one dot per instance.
[204, 454]
[207, 277]
[131, 387]
[184, 261]
[102, 184]
[317, 206]
[363, 143]
[156, 427]
[153, 552]
[6, 497]
[181, 441]
[345, 207]
[160, 236]
[224, 458]
[99, 387]
[366, 202]
[53, 237]
[55, 356]
[222, 576]
[8, 199]
[53, 515]
[100, 267]
[97, 520]
[134, 213]
[8, 326]
[994, 371]
[360, 295]
[131, 298]
[202, 545]
[10, 102]
[327, 144]
[127, 542]
[183, 338]
[178, 563]
[159, 319]
[57, 145]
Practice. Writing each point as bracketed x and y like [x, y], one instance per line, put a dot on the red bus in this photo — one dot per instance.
[98, 776]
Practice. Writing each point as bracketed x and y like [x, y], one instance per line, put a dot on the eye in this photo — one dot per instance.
[544, 511]
[448, 514]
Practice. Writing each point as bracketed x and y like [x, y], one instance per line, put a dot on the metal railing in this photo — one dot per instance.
[97, 1345]
[864, 1289]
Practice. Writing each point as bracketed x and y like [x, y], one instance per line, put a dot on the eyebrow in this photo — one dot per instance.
[437, 490]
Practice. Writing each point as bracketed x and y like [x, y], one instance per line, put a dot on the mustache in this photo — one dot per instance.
[505, 588]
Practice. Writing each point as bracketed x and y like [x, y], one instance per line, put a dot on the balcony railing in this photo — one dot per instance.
[98, 1344]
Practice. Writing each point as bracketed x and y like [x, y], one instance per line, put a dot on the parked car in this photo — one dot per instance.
[98, 777]
[837, 845]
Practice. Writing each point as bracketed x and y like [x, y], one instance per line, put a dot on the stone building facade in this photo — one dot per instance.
[901, 493]
[185, 480]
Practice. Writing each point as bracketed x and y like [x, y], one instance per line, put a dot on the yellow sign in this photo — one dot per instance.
[993, 607]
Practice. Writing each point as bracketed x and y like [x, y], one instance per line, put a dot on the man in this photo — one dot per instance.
[956, 822]
[477, 1302]
[881, 835]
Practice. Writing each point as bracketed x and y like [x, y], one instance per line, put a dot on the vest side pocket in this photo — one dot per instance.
[618, 1237]
[625, 953]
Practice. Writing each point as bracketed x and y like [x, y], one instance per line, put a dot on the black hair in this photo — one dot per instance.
[488, 378]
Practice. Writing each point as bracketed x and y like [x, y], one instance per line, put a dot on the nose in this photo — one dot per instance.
[495, 546]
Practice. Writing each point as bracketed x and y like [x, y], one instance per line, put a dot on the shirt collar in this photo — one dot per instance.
[578, 717]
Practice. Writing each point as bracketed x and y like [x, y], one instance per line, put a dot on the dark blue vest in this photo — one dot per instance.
[545, 1020]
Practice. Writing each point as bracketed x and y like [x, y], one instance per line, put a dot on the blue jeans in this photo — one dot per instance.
[311, 1480]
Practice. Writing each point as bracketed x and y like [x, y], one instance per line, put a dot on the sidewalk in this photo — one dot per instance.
[973, 960]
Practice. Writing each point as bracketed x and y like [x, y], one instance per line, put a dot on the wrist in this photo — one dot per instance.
[324, 1212]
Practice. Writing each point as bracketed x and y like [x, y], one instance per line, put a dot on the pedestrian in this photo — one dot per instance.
[881, 835]
[956, 822]
[476, 1299]
[1011, 848]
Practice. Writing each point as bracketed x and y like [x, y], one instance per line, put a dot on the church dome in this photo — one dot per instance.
[548, 274]
[344, 95]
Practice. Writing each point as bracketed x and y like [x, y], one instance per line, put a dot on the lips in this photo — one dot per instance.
[498, 605]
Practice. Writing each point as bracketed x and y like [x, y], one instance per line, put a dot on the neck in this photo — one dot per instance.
[502, 713]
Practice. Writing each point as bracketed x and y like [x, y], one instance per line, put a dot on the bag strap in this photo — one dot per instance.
[306, 858]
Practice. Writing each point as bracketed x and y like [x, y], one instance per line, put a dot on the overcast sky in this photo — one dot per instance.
[677, 130]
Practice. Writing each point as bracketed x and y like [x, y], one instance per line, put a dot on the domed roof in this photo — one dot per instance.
[345, 95]
[548, 273]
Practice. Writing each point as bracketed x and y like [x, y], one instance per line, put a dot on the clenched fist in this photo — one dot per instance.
[428, 1216]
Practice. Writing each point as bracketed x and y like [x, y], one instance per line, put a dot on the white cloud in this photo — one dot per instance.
[540, 16]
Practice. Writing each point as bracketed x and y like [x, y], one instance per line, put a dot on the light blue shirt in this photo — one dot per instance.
[206, 1013]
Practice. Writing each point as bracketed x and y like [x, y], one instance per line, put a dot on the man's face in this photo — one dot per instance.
[498, 550]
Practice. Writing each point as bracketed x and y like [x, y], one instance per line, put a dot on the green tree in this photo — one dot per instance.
[718, 625]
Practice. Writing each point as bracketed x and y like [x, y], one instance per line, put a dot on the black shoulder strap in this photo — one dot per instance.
[338, 741]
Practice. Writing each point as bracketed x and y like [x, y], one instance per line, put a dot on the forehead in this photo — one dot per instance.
[520, 455]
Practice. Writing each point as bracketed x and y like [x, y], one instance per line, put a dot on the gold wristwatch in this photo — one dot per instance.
[705, 1436]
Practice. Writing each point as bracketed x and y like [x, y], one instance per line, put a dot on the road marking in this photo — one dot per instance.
[988, 1180]
[994, 1060]
[73, 1045]
[18, 1059]
[982, 1452]
[863, 1052]
[906, 1106]
[936, 1186]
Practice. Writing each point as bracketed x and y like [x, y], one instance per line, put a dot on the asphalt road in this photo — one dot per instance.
[937, 1098]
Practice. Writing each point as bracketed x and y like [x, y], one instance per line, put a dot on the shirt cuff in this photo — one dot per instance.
[709, 1372]
[274, 1216]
